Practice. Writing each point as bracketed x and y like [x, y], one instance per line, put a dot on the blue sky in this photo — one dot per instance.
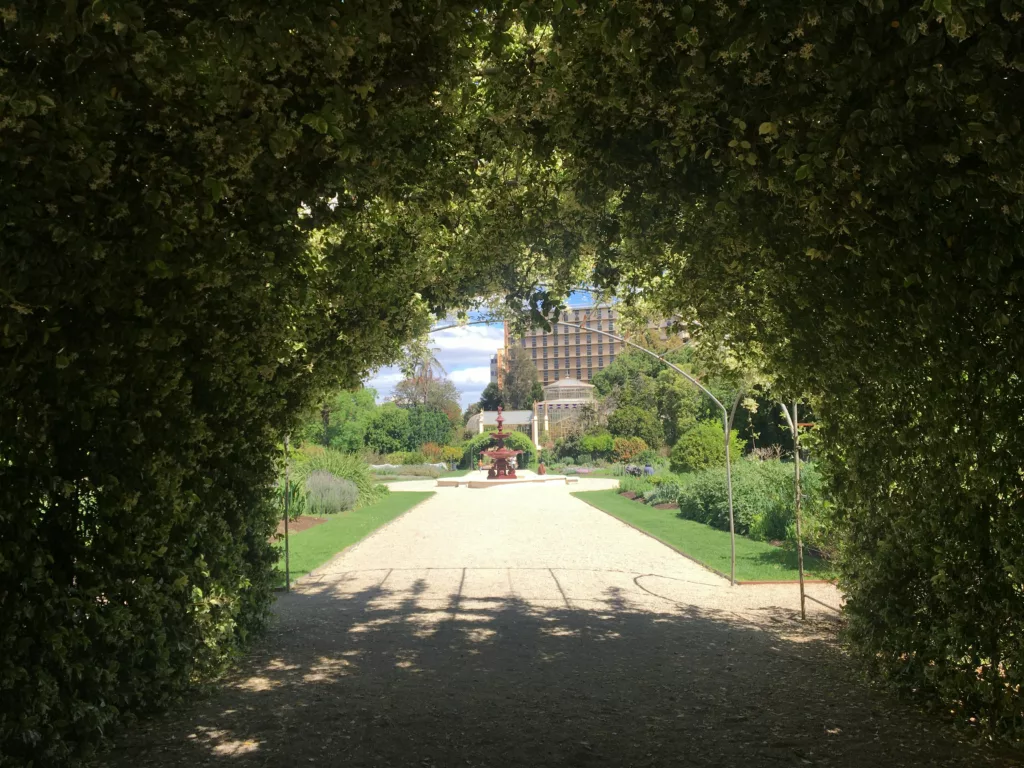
[465, 354]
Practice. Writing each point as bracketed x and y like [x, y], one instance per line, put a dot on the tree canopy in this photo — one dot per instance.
[492, 398]
[520, 385]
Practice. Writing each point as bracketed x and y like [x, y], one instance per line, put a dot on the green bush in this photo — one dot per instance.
[666, 489]
[599, 446]
[515, 440]
[296, 500]
[650, 456]
[451, 453]
[568, 447]
[637, 485]
[327, 494]
[404, 457]
[345, 466]
[703, 447]
[763, 498]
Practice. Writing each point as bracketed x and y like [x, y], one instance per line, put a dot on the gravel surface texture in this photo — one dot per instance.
[522, 627]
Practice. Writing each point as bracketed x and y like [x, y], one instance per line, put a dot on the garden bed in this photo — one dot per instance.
[303, 523]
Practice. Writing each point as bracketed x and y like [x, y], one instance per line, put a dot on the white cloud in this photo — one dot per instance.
[465, 353]
[469, 376]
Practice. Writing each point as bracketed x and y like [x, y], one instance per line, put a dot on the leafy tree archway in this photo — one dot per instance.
[208, 219]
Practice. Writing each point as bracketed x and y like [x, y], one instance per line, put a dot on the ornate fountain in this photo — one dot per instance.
[500, 469]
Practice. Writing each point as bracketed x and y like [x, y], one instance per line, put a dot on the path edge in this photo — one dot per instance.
[354, 544]
[649, 535]
[705, 566]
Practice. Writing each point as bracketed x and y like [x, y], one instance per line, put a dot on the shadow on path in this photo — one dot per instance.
[375, 678]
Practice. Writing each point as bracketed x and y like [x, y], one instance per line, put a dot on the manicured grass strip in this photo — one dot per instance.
[755, 560]
[315, 546]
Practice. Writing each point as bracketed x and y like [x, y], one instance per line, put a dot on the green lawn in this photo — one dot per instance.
[755, 560]
[315, 546]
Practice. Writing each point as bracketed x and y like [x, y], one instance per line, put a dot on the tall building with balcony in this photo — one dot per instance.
[568, 352]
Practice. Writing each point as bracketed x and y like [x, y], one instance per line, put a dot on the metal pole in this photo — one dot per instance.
[728, 485]
[287, 497]
[794, 425]
[725, 413]
[799, 534]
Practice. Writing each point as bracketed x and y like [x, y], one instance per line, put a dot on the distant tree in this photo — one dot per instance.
[419, 361]
[471, 410]
[520, 379]
[590, 418]
[627, 368]
[426, 425]
[437, 393]
[341, 420]
[491, 398]
[388, 430]
[537, 392]
[452, 410]
[680, 404]
[631, 421]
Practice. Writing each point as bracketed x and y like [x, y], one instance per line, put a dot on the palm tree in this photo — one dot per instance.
[422, 369]
[426, 363]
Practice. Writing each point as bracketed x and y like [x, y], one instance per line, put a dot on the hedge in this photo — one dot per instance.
[170, 304]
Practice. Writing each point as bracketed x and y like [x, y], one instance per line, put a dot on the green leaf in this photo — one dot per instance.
[316, 122]
[944, 7]
[957, 25]
[765, 128]
[686, 14]
[803, 172]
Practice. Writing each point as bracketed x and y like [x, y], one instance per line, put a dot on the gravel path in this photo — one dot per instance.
[521, 627]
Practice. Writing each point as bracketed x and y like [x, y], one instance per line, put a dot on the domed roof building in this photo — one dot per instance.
[568, 390]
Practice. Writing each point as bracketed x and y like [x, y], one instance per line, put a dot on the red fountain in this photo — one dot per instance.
[500, 469]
